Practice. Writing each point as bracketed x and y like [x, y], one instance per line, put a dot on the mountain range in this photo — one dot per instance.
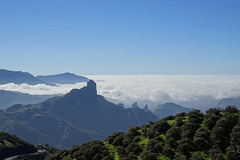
[63, 78]
[79, 116]
[19, 77]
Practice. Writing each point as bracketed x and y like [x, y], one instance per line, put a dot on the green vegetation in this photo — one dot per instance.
[186, 136]
[171, 122]
[112, 150]
[11, 145]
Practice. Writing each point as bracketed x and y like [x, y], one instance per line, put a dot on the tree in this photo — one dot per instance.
[201, 139]
[168, 151]
[185, 147]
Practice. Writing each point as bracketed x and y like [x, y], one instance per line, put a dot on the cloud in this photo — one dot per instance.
[41, 89]
[197, 90]
[188, 90]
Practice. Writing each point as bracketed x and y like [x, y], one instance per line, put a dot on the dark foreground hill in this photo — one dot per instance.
[11, 145]
[77, 117]
[194, 136]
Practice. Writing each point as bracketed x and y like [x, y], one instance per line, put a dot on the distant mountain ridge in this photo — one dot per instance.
[223, 103]
[77, 117]
[19, 77]
[9, 98]
[170, 108]
[63, 78]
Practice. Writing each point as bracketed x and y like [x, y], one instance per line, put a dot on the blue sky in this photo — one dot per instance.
[120, 37]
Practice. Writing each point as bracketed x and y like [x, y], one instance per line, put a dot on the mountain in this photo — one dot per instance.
[64, 78]
[229, 101]
[11, 145]
[9, 98]
[169, 109]
[192, 135]
[79, 116]
[39, 128]
[18, 77]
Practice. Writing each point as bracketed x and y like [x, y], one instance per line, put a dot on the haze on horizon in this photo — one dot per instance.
[120, 37]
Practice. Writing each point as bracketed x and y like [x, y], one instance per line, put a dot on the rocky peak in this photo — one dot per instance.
[121, 105]
[92, 86]
[135, 105]
[89, 90]
[146, 108]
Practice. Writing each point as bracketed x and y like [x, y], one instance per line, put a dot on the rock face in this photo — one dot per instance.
[146, 108]
[92, 87]
[79, 116]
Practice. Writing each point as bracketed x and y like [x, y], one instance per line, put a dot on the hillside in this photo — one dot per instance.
[193, 135]
[11, 145]
[77, 117]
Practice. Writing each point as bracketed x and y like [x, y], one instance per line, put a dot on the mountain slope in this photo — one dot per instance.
[169, 109]
[11, 145]
[39, 128]
[63, 78]
[9, 98]
[192, 135]
[229, 101]
[77, 117]
[18, 77]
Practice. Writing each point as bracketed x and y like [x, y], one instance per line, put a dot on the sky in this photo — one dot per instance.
[93, 37]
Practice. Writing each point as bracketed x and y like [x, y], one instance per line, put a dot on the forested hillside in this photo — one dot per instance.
[194, 136]
[11, 145]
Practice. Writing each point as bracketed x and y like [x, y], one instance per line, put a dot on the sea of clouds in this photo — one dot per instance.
[199, 91]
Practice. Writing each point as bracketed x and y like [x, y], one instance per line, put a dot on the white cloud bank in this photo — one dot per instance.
[189, 90]
[41, 89]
